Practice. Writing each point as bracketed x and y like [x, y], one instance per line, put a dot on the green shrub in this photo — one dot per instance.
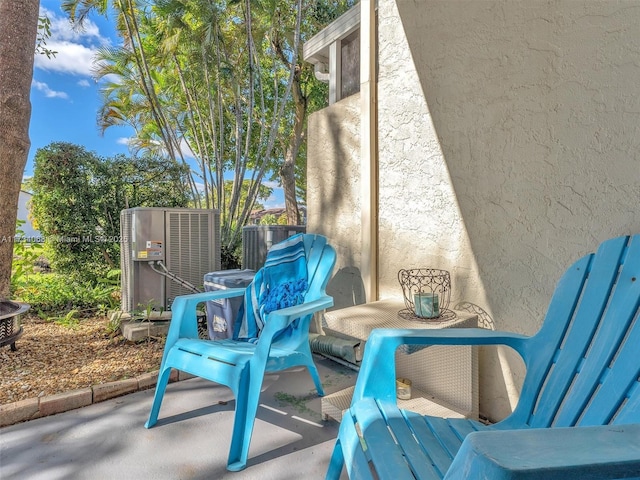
[25, 256]
[78, 197]
[269, 219]
[230, 258]
[63, 298]
[54, 295]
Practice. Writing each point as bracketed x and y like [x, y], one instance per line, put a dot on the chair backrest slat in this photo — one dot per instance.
[616, 347]
[548, 340]
[579, 334]
[578, 348]
[320, 257]
[630, 412]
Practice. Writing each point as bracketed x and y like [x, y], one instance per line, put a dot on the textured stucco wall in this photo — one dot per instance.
[509, 134]
[508, 143]
[333, 192]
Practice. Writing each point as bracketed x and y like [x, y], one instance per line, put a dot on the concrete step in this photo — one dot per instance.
[139, 330]
[136, 327]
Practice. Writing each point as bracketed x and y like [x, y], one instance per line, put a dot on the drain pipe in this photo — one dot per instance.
[165, 272]
[369, 149]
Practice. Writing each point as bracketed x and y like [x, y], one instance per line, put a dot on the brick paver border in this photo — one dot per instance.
[32, 408]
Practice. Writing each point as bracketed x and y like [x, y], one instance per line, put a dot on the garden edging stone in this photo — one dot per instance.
[32, 408]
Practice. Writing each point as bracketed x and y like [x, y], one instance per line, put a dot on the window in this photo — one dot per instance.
[350, 65]
[335, 52]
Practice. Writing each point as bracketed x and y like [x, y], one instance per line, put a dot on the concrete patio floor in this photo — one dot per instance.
[108, 440]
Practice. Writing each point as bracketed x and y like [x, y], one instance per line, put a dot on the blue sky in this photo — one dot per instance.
[65, 98]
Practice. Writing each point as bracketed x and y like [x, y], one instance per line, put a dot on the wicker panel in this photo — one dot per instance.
[444, 372]
[335, 404]
[425, 404]
[447, 373]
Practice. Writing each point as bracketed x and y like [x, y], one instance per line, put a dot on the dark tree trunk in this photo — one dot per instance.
[18, 24]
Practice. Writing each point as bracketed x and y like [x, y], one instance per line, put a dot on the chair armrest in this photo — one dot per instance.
[278, 320]
[193, 299]
[377, 371]
[610, 451]
[183, 316]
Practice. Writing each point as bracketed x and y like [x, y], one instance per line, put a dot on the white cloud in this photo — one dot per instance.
[272, 202]
[63, 29]
[72, 58]
[124, 141]
[186, 149]
[75, 48]
[111, 78]
[271, 184]
[88, 32]
[84, 83]
[48, 92]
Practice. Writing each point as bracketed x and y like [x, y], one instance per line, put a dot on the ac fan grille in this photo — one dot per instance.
[126, 262]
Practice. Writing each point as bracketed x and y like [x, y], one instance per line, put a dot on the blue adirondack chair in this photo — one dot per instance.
[579, 411]
[282, 343]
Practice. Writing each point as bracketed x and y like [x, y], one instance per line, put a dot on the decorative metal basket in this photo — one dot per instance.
[427, 293]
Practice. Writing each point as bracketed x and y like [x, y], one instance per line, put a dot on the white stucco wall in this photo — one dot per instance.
[508, 144]
[333, 193]
[509, 134]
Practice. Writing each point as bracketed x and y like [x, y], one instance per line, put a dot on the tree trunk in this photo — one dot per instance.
[287, 170]
[18, 24]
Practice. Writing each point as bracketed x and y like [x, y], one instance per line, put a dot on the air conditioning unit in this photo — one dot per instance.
[164, 253]
[257, 240]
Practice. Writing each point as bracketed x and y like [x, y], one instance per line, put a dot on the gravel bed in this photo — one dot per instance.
[53, 358]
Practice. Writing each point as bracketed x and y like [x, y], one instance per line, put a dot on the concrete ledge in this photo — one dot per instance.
[147, 380]
[17, 412]
[65, 401]
[183, 375]
[114, 389]
[33, 408]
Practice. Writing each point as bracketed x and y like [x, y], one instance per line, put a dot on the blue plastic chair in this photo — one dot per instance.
[579, 408]
[283, 343]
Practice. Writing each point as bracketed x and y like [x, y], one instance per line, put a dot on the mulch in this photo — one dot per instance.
[53, 358]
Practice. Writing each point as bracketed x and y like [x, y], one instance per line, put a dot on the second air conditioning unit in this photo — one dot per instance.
[258, 239]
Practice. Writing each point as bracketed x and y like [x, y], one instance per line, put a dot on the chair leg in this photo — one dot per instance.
[315, 376]
[311, 366]
[243, 422]
[161, 386]
[336, 463]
